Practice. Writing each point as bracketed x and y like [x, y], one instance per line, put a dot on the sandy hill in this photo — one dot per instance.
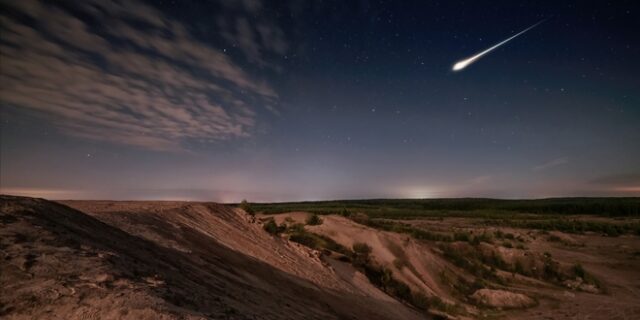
[168, 260]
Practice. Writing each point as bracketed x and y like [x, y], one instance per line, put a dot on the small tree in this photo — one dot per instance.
[314, 220]
[246, 206]
[271, 226]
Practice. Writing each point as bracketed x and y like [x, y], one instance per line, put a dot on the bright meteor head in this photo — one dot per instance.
[460, 65]
[464, 63]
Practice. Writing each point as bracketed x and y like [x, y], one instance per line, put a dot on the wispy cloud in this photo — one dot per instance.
[551, 164]
[134, 76]
[480, 180]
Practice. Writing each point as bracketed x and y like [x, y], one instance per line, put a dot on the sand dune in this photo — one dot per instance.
[167, 260]
[189, 260]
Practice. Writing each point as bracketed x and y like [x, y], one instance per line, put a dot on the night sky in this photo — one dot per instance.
[308, 100]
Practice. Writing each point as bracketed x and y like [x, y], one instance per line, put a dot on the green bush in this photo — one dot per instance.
[271, 227]
[345, 213]
[314, 220]
[382, 278]
[305, 239]
[316, 241]
[361, 248]
[246, 206]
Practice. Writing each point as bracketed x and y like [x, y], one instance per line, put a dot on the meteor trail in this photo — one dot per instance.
[464, 63]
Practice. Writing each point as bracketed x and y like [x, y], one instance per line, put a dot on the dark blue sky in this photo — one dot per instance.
[275, 101]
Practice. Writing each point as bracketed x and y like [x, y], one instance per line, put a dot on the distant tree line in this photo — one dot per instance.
[411, 207]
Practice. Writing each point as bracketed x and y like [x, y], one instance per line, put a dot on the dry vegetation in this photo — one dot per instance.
[481, 258]
[167, 260]
[380, 259]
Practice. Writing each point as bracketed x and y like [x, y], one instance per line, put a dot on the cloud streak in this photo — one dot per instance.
[134, 76]
[551, 164]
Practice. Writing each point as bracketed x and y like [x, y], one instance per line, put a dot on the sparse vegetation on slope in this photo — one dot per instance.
[359, 257]
[271, 227]
[314, 220]
[383, 278]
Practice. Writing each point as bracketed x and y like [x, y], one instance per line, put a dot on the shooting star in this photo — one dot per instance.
[464, 63]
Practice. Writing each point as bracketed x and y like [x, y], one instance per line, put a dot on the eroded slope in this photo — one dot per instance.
[164, 260]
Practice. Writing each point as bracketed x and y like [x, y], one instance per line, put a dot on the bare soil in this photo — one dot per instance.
[167, 260]
[187, 260]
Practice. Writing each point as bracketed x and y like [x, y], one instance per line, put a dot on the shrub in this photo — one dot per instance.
[272, 228]
[316, 241]
[314, 220]
[305, 239]
[246, 206]
[383, 278]
[332, 245]
[345, 213]
[361, 248]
